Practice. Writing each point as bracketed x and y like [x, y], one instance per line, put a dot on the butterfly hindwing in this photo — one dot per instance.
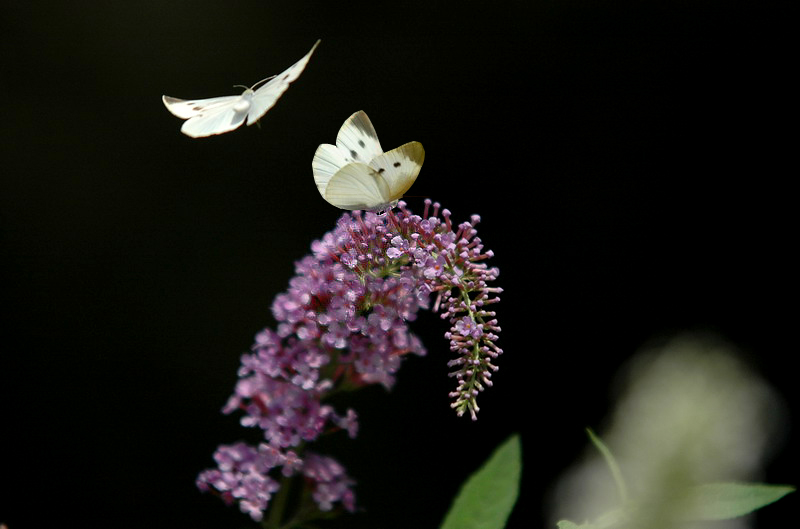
[356, 186]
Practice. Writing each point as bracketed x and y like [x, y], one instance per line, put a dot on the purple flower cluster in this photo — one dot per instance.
[342, 324]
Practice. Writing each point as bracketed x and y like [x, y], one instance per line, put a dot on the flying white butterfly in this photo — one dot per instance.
[356, 173]
[217, 115]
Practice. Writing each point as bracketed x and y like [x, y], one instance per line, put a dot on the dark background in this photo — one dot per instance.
[630, 161]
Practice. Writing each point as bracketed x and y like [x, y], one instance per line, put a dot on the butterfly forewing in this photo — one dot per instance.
[358, 140]
[186, 109]
[266, 96]
[400, 167]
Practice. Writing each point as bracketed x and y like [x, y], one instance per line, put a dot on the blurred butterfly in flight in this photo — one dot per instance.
[356, 173]
[206, 117]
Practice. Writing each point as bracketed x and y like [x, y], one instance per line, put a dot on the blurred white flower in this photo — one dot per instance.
[688, 412]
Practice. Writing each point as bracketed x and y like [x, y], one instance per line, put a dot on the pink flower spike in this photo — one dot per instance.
[343, 323]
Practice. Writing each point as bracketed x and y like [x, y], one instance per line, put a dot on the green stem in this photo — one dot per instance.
[278, 505]
[612, 465]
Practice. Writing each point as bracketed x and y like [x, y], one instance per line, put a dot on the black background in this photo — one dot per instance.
[629, 160]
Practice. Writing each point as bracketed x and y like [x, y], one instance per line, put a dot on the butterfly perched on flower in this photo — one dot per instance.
[356, 173]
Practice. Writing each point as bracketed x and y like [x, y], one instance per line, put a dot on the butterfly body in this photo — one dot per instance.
[356, 173]
[242, 105]
[217, 115]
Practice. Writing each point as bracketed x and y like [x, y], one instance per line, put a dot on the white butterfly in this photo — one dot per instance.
[356, 173]
[224, 114]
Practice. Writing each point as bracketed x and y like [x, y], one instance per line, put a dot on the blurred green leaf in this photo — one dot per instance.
[720, 501]
[487, 497]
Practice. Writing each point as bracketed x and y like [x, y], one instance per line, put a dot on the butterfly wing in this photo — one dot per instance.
[357, 186]
[218, 121]
[206, 117]
[358, 140]
[267, 95]
[327, 161]
[399, 168]
[186, 108]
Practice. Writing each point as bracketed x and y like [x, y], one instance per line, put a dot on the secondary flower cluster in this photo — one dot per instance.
[342, 324]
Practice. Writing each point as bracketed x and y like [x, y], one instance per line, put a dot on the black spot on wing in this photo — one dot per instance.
[354, 154]
[396, 164]
[361, 143]
[381, 170]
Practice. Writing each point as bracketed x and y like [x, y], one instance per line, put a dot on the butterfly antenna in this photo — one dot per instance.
[263, 80]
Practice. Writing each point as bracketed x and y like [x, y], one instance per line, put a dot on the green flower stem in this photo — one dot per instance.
[616, 473]
[278, 505]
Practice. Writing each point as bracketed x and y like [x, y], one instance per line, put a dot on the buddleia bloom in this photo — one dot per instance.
[343, 324]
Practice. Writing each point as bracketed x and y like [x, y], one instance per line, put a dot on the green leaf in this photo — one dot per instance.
[487, 497]
[720, 501]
